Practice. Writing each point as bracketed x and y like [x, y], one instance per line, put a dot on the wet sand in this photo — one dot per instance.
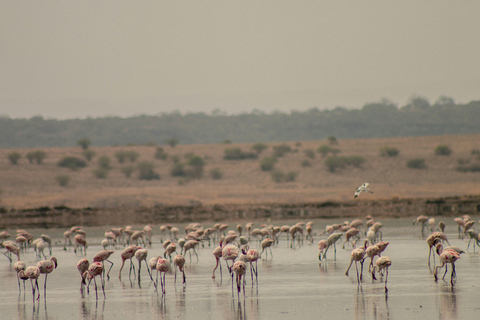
[291, 285]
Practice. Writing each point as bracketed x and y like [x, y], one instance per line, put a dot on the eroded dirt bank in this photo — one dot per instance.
[57, 217]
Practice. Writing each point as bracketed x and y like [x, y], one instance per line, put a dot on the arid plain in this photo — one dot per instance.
[31, 185]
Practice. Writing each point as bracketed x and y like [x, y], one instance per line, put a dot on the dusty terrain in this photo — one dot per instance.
[34, 185]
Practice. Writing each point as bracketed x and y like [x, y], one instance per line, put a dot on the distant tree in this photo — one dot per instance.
[63, 179]
[100, 172]
[132, 155]
[84, 143]
[104, 162]
[259, 147]
[324, 150]
[175, 158]
[121, 155]
[72, 163]
[309, 153]
[14, 157]
[128, 170]
[161, 154]
[178, 170]
[238, 154]
[216, 174]
[305, 163]
[417, 163]
[416, 102]
[197, 164]
[387, 151]
[443, 150]
[277, 176]
[226, 141]
[444, 101]
[332, 140]
[267, 163]
[172, 142]
[89, 154]
[281, 149]
[146, 171]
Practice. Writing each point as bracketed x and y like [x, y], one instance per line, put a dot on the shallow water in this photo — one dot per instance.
[292, 284]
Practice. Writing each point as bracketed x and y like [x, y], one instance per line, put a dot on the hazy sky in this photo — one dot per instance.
[73, 59]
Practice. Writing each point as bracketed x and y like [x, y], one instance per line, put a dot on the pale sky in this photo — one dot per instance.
[74, 59]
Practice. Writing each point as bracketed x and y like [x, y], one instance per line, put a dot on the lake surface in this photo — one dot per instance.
[291, 285]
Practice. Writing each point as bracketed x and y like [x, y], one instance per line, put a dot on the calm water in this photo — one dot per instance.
[291, 285]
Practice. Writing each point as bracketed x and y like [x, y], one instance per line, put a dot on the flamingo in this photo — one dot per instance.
[162, 267]
[331, 240]
[239, 269]
[253, 256]
[127, 254]
[475, 237]
[39, 248]
[11, 249]
[423, 220]
[179, 261]
[82, 267]
[362, 188]
[79, 240]
[230, 252]
[267, 243]
[48, 240]
[446, 256]
[171, 248]
[190, 245]
[141, 255]
[460, 222]
[95, 269]
[217, 253]
[20, 266]
[46, 267]
[357, 255]
[353, 232]
[432, 240]
[32, 272]
[103, 256]
[382, 263]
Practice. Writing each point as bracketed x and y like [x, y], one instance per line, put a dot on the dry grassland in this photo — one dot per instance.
[31, 185]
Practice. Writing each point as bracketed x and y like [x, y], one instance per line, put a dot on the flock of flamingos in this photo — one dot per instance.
[234, 247]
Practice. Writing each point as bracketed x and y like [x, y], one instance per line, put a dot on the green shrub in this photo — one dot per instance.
[277, 176]
[128, 170]
[38, 156]
[475, 152]
[416, 163]
[216, 174]
[161, 154]
[100, 172]
[14, 157]
[226, 141]
[306, 163]
[238, 154]
[332, 140]
[121, 155]
[146, 171]
[475, 167]
[387, 151]
[104, 162]
[267, 163]
[334, 163]
[196, 164]
[63, 179]
[291, 176]
[443, 150]
[84, 143]
[175, 158]
[324, 150]
[463, 162]
[178, 170]
[355, 161]
[72, 163]
[172, 142]
[281, 149]
[132, 155]
[309, 153]
[89, 154]
[259, 147]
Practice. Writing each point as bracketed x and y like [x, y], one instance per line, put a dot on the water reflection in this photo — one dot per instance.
[447, 302]
[371, 303]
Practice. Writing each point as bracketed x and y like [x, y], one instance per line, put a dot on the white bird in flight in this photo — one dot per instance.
[363, 187]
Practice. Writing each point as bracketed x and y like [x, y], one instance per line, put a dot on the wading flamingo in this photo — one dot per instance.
[127, 254]
[82, 267]
[95, 269]
[162, 267]
[32, 272]
[20, 266]
[103, 256]
[358, 255]
[179, 261]
[446, 256]
[46, 267]
[381, 264]
[141, 255]
[267, 243]
[432, 240]
[239, 269]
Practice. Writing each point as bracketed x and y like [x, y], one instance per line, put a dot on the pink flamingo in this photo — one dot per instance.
[239, 269]
[103, 256]
[32, 272]
[190, 245]
[446, 256]
[162, 267]
[432, 240]
[253, 256]
[352, 232]
[127, 254]
[179, 261]
[80, 241]
[267, 243]
[46, 267]
[357, 255]
[11, 249]
[171, 248]
[95, 269]
[382, 263]
[230, 252]
[20, 266]
[82, 267]
[217, 253]
[141, 255]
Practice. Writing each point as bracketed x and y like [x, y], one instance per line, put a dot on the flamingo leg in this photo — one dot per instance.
[45, 287]
[103, 286]
[111, 266]
[386, 278]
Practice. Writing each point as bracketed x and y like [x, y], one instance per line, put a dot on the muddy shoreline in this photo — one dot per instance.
[59, 217]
